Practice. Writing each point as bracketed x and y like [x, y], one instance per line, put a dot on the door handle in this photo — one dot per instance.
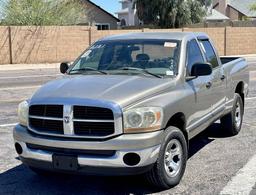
[222, 77]
[208, 85]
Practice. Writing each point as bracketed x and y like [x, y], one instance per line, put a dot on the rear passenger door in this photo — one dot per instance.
[217, 85]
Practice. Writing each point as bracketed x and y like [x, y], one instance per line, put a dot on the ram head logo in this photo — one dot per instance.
[66, 119]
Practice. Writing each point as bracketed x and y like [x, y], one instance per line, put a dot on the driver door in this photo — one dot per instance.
[199, 98]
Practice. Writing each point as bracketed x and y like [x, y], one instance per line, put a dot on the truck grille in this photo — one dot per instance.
[50, 126]
[47, 110]
[82, 112]
[73, 121]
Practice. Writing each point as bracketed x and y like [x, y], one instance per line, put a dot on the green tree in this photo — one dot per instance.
[42, 12]
[253, 7]
[197, 12]
[171, 13]
[147, 11]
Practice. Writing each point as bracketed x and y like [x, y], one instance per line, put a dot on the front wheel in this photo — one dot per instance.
[170, 166]
[232, 122]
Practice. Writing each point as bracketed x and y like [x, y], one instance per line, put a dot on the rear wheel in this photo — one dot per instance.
[170, 166]
[232, 122]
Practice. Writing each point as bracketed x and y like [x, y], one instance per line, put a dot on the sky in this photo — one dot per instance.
[111, 6]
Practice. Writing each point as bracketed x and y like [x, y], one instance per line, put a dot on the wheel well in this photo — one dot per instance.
[179, 120]
[240, 90]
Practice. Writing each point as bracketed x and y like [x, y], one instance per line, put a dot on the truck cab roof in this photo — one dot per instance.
[155, 36]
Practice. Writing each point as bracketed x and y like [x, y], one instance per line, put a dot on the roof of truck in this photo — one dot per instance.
[151, 35]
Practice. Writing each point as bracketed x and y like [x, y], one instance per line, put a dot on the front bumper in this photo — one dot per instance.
[146, 145]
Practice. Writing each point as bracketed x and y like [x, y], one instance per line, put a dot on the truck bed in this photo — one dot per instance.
[225, 60]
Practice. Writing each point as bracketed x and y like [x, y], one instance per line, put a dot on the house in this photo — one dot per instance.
[235, 9]
[96, 16]
[128, 14]
[215, 16]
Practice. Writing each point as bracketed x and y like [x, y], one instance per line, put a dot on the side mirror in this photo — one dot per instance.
[201, 69]
[64, 66]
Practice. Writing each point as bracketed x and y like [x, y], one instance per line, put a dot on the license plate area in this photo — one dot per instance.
[65, 162]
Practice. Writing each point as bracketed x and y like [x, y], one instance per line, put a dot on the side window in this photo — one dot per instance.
[194, 54]
[209, 53]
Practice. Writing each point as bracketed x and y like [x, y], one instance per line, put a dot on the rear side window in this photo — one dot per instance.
[194, 54]
[209, 53]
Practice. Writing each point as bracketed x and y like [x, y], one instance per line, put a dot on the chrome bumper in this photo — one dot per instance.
[146, 145]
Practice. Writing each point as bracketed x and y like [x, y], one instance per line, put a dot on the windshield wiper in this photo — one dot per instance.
[88, 68]
[141, 70]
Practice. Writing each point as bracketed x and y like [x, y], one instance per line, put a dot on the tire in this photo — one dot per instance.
[232, 122]
[162, 176]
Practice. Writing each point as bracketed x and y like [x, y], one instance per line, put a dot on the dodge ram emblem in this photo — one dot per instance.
[66, 119]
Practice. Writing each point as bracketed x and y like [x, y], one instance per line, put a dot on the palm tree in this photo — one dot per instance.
[147, 10]
[171, 13]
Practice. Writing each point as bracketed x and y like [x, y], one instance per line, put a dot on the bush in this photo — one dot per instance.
[42, 12]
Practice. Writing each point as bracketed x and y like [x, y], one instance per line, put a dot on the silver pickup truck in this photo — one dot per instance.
[130, 104]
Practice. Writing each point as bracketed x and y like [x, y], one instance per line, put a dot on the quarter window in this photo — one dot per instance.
[209, 53]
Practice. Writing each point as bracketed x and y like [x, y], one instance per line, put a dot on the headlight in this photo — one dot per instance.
[144, 119]
[23, 113]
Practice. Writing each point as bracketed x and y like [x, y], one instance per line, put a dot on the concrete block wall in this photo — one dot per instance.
[65, 43]
[240, 40]
[217, 35]
[48, 44]
[96, 35]
[4, 46]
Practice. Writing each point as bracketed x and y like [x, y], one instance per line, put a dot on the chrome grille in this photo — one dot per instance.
[71, 121]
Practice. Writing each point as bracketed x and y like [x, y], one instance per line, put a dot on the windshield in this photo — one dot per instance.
[148, 57]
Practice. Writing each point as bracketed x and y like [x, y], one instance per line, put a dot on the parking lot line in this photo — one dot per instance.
[23, 87]
[31, 76]
[8, 125]
[12, 100]
[244, 181]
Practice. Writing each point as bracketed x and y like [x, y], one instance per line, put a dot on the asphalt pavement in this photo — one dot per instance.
[217, 164]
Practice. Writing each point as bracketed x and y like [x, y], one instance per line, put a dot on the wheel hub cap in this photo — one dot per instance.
[238, 115]
[173, 158]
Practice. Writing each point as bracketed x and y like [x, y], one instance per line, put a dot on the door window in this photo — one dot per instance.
[194, 54]
[209, 53]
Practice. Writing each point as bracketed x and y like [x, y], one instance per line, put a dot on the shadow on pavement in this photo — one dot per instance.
[206, 137]
[20, 180]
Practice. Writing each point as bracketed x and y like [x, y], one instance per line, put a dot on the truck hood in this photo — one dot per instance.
[120, 89]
